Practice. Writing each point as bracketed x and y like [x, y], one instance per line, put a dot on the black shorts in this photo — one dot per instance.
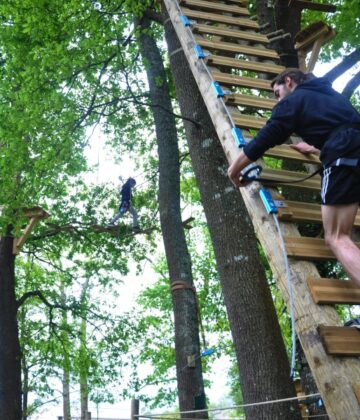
[340, 185]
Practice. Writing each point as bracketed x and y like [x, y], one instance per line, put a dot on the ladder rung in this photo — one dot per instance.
[280, 175]
[240, 2]
[248, 121]
[340, 341]
[235, 63]
[249, 100]
[237, 48]
[234, 80]
[284, 151]
[212, 6]
[296, 211]
[333, 291]
[305, 248]
[230, 33]
[215, 17]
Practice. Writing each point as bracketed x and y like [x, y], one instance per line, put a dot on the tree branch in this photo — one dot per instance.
[348, 61]
[351, 86]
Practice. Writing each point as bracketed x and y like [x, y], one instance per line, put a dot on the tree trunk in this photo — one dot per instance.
[25, 392]
[84, 389]
[10, 354]
[190, 380]
[66, 365]
[260, 351]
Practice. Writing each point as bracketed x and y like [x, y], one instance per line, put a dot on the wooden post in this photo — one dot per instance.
[89, 415]
[135, 405]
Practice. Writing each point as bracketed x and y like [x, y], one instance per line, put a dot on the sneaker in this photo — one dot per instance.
[136, 228]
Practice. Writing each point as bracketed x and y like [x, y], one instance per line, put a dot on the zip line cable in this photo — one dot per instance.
[281, 400]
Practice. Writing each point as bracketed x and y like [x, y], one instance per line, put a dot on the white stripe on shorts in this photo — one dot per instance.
[325, 183]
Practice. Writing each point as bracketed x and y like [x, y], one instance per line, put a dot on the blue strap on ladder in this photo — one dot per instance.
[268, 201]
[238, 136]
[217, 89]
[185, 20]
[199, 52]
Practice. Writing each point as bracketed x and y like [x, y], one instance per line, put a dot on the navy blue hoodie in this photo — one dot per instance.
[314, 111]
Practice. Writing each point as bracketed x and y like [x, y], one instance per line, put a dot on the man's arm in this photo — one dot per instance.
[234, 171]
[305, 148]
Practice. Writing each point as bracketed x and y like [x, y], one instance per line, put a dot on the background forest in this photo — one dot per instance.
[87, 315]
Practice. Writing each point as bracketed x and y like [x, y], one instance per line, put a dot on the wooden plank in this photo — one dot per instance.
[216, 60]
[237, 48]
[35, 212]
[306, 248]
[249, 101]
[340, 341]
[229, 33]
[333, 291]
[295, 211]
[234, 80]
[19, 242]
[280, 175]
[248, 121]
[215, 17]
[219, 7]
[303, 4]
[284, 151]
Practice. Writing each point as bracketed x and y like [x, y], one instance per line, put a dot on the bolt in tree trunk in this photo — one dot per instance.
[10, 354]
[190, 380]
[262, 360]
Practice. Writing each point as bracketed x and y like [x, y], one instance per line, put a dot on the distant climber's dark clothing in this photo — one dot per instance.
[317, 113]
[125, 193]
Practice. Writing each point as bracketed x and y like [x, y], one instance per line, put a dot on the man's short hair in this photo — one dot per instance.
[295, 74]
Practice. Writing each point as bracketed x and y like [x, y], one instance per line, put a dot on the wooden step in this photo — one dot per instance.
[284, 151]
[234, 80]
[340, 341]
[235, 63]
[304, 248]
[334, 291]
[238, 99]
[229, 33]
[215, 17]
[237, 48]
[280, 175]
[248, 121]
[218, 7]
[295, 211]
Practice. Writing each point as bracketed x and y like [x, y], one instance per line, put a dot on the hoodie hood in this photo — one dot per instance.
[320, 85]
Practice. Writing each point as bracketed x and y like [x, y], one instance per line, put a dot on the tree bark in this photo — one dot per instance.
[260, 351]
[10, 354]
[280, 16]
[346, 64]
[187, 344]
[66, 365]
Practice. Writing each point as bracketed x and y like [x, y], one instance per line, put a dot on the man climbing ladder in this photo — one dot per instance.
[126, 204]
[330, 125]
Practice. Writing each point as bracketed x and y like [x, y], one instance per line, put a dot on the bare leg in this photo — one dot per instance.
[338, 221]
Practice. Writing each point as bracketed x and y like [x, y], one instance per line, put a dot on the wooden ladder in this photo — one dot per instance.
[237, 57]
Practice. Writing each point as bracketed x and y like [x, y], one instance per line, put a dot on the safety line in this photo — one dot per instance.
[291, 296]
[156, 416]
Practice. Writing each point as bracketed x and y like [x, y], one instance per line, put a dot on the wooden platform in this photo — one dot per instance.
[334, 291]
[340, 341]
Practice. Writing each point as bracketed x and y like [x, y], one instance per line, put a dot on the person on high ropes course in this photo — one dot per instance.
[330, 125]
[126, 204]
